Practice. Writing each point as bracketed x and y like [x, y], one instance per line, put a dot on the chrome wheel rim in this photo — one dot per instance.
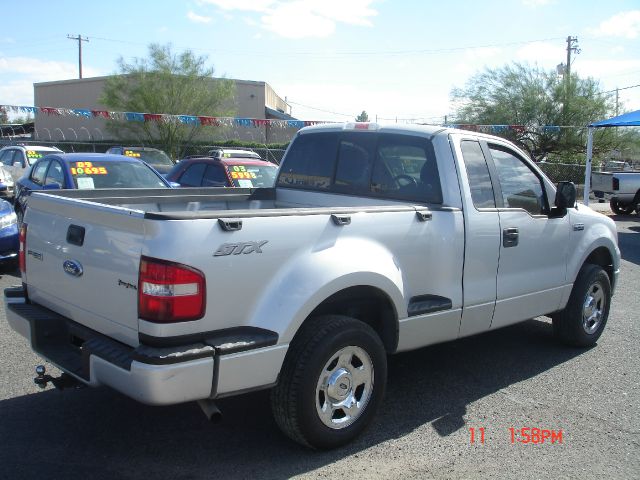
[593, 308]
[344, 387]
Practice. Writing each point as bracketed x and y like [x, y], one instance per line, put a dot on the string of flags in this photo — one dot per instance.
[200, 120]
[195, 120]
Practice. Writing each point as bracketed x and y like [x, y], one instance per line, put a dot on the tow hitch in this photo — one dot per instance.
[63, 381]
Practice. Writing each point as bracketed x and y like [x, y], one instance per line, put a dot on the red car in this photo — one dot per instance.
[223, 172]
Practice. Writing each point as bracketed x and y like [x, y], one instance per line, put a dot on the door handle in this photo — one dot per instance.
[510, 237]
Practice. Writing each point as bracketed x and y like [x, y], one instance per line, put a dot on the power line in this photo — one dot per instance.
[320, 109]
[316, 54]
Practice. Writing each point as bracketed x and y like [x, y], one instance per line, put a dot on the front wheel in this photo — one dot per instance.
[583, 320]
[331, 383]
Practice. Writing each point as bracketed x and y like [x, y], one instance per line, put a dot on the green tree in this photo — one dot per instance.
[518, 94]
[363, 117]
[171, 83]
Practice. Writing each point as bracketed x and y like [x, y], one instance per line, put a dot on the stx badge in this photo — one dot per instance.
[238, 248]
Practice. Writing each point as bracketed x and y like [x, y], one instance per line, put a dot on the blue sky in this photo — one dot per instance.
[330, 58]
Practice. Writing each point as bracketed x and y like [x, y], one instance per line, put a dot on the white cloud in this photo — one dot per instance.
[624, 24]
[547, 55]
[194, 17]
[606, 68]
[23, 72]
[535, 3]
[303, 18]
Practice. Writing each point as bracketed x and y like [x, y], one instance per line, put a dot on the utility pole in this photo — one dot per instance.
[572, 46]
[617, 100]
[80, 40]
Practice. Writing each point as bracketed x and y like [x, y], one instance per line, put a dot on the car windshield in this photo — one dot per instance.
[114, 174]
[35, 154]
[149, 155]
[252, 176]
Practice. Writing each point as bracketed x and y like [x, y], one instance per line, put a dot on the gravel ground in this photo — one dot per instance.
[517, 377]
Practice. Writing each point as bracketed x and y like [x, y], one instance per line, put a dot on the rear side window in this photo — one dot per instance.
[310, 162]
[397, 167]
[478, 173]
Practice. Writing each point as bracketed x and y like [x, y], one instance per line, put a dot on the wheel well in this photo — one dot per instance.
[601, 256]
[369, 305]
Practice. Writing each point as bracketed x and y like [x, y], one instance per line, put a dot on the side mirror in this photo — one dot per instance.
[566, 195]
[565, 198]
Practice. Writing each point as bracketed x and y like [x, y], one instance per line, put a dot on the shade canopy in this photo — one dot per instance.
[631, 119]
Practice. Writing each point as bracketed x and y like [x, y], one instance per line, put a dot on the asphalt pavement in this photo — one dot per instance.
[497, 384]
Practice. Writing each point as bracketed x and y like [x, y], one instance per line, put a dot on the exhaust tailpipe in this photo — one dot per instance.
[211, 410]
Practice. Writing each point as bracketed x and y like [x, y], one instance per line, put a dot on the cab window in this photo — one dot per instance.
[521, 187]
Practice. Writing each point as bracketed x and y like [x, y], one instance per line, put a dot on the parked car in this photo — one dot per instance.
[9, 245]
[223, 172]
[154, 157]
[85, 171]
[233, 152]
[18, 158]
[305, 288]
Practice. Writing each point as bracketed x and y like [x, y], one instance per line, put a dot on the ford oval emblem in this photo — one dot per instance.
[72, 268]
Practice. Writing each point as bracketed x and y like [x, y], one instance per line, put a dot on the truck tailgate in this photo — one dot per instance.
[82, 262]
[602, 182]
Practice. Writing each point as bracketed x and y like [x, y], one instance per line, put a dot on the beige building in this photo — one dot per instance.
[256, 100]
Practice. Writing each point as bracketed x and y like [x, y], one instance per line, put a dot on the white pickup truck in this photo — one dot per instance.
[621, 188]
[375, 240]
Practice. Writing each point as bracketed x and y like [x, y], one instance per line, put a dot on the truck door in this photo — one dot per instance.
[533, 247]
[482, 239]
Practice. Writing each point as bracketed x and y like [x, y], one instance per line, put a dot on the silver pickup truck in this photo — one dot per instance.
[620, 188]
[375, 240]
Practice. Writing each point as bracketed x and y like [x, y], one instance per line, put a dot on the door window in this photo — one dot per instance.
[37, 176]
[55, 174]
[214, 176]
[521, 188]
[478, 173]
[7, 157]
[192, 177]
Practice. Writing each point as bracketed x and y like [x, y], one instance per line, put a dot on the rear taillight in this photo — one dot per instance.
[616, 183]
[170, 292]
[23, 248]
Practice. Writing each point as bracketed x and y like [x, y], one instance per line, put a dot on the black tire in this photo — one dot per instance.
[572, 326]
[297, 399]
[621, 209]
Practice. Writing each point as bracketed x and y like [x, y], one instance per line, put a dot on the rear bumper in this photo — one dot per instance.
[155, 375]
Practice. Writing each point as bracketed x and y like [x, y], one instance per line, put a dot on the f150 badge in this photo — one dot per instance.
[238, 248]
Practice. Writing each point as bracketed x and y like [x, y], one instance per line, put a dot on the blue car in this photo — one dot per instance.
[85, 171]
[8, 233]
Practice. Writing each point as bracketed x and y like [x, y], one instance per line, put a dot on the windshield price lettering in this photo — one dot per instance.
[87, 168]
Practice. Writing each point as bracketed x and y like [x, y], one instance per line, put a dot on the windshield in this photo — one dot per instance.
[252, 176]
[35, 154]
[149, 155]
[114, 174]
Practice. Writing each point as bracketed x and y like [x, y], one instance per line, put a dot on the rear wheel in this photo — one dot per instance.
[620, 208]
[583, 320]
[332, 382]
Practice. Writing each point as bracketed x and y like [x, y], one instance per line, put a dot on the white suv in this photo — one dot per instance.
[16, 159]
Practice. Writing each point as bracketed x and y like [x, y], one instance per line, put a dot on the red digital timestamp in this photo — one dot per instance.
[524, 435]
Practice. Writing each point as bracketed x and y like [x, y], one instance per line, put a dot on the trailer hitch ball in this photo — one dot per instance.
[41, 380]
